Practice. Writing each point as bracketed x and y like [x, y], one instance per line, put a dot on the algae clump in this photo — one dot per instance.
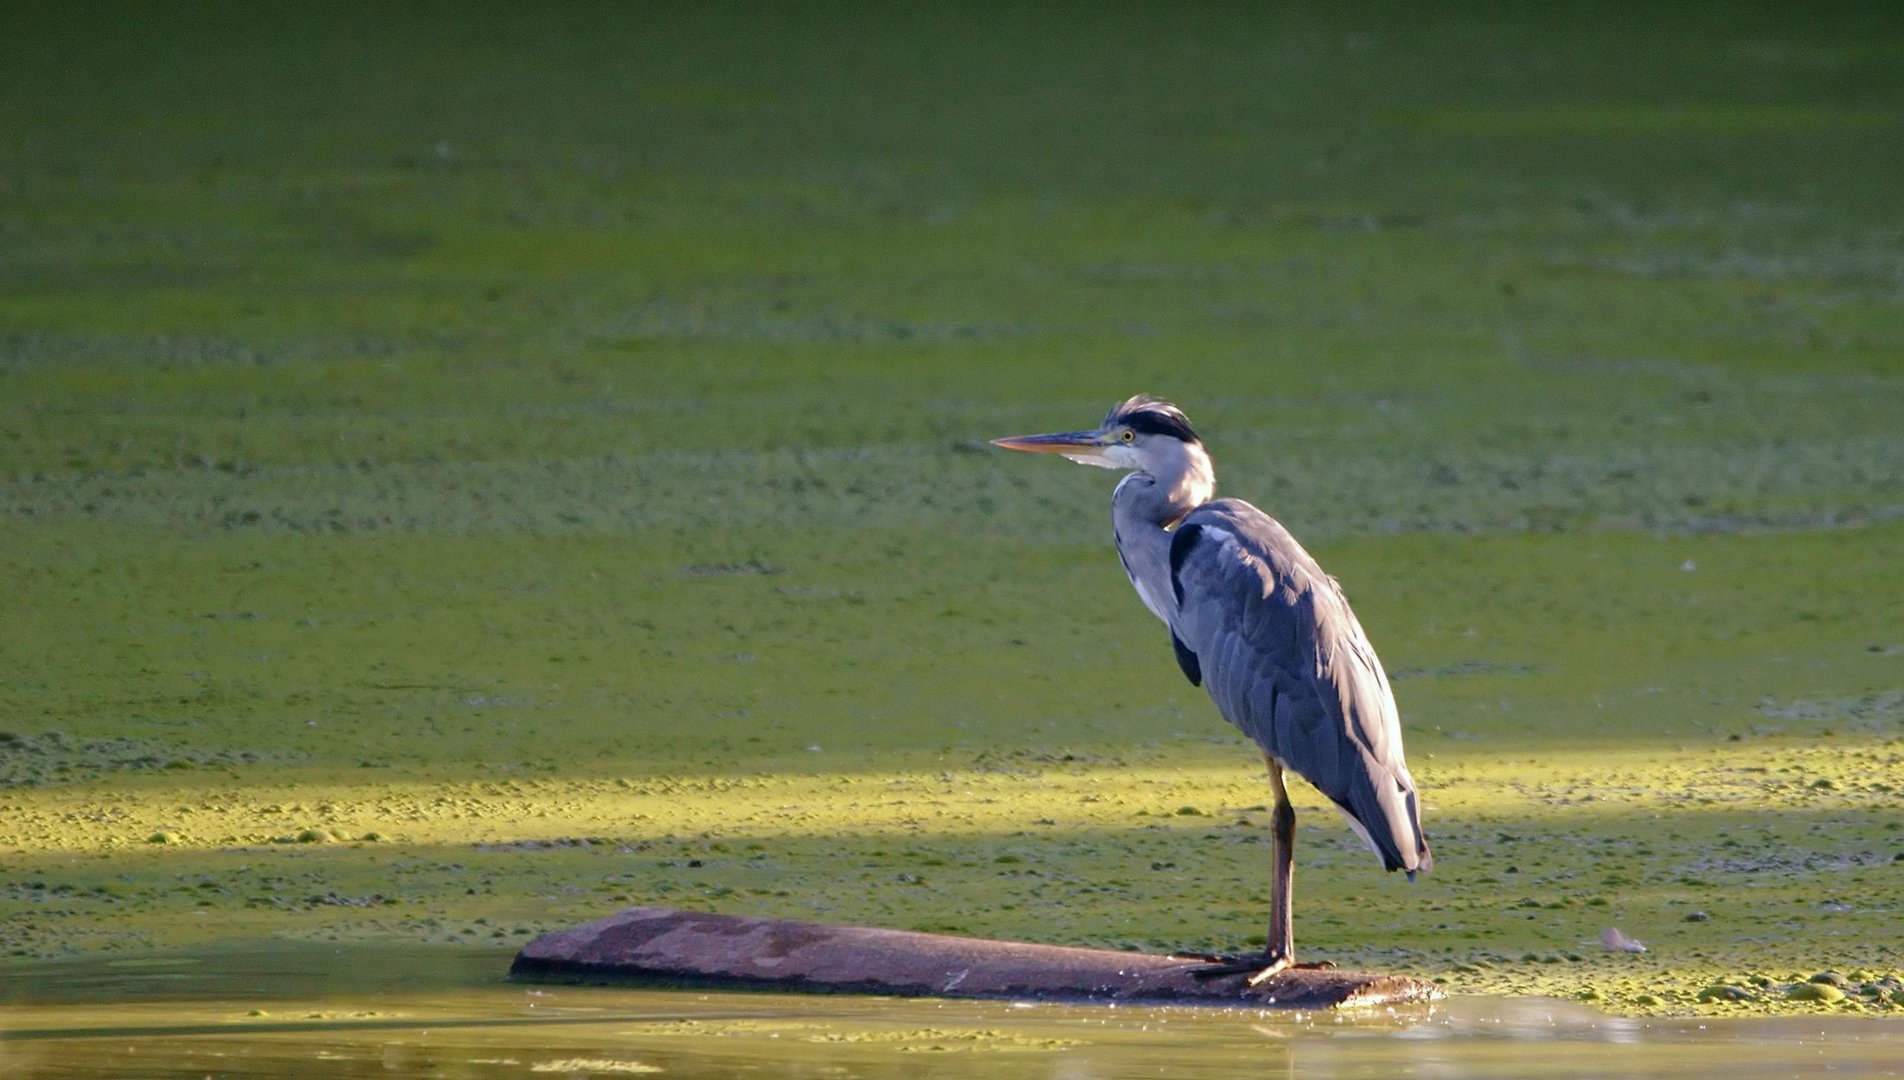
[1811, 991]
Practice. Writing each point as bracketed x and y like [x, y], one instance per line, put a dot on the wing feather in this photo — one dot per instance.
[1286, 661]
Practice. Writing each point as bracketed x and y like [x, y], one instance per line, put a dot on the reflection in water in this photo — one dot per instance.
[286, 1010]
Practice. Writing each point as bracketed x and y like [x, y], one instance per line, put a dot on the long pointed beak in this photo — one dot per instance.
[1072, 444]
[1083, 447]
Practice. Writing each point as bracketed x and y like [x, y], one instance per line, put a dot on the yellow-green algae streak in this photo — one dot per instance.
[466, 470]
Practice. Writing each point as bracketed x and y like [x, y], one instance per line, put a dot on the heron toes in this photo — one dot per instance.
[1217, 961]
[1260, 967]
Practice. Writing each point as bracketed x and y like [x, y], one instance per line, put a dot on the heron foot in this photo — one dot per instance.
[1260, 967]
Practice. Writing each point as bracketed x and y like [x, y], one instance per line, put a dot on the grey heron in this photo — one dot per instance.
[1265, 631]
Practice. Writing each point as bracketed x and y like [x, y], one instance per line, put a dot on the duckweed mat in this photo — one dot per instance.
[464, 471]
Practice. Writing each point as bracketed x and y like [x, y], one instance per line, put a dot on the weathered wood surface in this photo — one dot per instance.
[665, 946]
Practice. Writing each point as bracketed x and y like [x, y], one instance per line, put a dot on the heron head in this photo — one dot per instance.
[1142, 433]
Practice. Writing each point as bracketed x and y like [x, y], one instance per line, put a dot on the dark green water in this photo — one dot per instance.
[312, 1011]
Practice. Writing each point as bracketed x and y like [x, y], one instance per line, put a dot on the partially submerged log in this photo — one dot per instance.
[668, 947]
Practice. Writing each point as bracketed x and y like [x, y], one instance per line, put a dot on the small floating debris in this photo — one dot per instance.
[1615, 941]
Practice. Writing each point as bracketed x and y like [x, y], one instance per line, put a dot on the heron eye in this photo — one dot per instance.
[1127, 435]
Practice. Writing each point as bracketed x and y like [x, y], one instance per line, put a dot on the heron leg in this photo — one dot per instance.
[1279, 952]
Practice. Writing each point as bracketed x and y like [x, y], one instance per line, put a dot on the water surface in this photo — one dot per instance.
[315, 1011]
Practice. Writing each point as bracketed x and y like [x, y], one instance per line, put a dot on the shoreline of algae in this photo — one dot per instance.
[427, 520]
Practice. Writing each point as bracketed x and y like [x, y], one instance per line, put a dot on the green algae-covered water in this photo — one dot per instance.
[466, 469]
[356, 1012]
